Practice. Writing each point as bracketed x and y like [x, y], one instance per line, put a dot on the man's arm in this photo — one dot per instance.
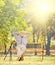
[14, 33]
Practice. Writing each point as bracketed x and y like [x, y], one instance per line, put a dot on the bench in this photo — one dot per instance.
[35, 48]
[31, 47]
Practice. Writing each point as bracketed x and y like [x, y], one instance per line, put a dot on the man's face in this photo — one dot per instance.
[22, 33]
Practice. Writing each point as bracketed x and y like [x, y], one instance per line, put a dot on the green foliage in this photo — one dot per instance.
[10, 18]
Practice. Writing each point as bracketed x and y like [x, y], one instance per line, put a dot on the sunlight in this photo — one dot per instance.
[40, 9]
[43, 8]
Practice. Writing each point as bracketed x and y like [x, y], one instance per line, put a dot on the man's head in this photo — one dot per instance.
[23, 33]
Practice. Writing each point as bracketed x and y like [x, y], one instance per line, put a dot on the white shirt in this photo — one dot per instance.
[21, 39]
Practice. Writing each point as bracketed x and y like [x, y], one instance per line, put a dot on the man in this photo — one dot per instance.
[21, 40]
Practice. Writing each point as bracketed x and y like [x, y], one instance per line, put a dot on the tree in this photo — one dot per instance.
[10, 18]
[50, 32]
[49, 36]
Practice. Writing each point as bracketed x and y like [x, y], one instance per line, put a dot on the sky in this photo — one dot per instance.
[40, 9]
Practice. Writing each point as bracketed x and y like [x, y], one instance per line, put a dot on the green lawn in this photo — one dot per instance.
[29, 60]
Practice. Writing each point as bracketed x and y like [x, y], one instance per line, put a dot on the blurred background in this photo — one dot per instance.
[35, 16]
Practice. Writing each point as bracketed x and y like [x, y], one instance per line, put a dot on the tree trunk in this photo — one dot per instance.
[48, 46]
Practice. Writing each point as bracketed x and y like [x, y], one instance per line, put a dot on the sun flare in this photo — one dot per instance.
[40, 9]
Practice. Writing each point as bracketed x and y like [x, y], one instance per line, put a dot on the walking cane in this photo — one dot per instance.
[9, 51]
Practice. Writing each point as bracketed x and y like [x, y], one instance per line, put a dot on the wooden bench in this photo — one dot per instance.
[35, 48]
[31, 47]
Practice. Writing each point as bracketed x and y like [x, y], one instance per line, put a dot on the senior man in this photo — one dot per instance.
[21, 40]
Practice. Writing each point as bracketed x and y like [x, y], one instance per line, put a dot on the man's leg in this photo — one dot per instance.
[20, 52]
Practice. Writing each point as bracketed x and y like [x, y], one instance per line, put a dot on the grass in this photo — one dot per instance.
[29, 60]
